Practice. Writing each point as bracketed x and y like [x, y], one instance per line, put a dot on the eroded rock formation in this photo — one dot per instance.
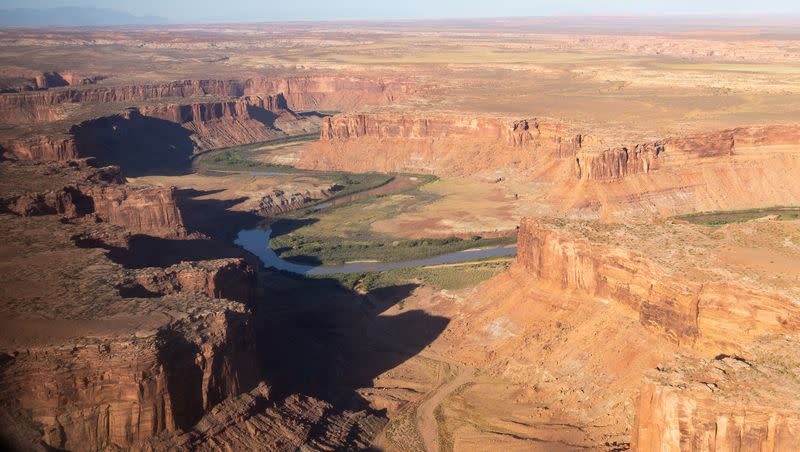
[41, 148]
[302, 93]
[87, 191]
[115, 392]
[441, 144]
[682, 152]
[688, 305]
[297, 422]
[726, 403]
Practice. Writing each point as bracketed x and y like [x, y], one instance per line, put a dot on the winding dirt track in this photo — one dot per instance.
[427, 424]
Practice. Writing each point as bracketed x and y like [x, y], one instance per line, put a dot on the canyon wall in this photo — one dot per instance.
[163, 136]
[733, 169]
[683, 152]
[41, 148]
[114, 393]
[95, 355]
[147, 210]
[728, 403]
[301, 93]
[440, 144]
[688, 307]
[244, 120]
[232, 279]
[97, 192]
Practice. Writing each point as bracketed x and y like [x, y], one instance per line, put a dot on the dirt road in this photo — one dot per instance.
[427, 424]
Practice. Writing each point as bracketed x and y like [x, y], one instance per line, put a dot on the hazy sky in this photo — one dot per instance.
[267, 10]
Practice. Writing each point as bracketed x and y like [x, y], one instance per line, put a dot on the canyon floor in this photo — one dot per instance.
[645, 170]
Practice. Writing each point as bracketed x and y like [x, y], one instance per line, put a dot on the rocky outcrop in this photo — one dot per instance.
[295, 423]
[688, 306]
[165, 135]
[612, 164]
[520, 133]
[146, 210]
[301, 93]
[279, 201]
[41, 148]
[232, 279]
[681, 152]
[245, 120]
[210, 111]
[114, 393]
[338, 93]
[87, 191]
[728, 403]
[441, 144]
[97, 356]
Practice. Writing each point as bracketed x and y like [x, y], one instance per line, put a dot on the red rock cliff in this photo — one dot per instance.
[724, 404]
[683, 152]
[115, 393]
[41, 148]
[100, 192]
[302, 93]
[442, 144]
[688, 306]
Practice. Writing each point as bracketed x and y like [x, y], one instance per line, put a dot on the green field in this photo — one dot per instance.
[447, 277]
[331, 250]
[240, 158]
[343, 234]
[717, 218]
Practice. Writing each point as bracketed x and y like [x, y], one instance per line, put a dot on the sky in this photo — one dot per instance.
[196, 11]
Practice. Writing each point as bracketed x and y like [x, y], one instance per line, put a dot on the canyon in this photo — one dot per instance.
[647, 178]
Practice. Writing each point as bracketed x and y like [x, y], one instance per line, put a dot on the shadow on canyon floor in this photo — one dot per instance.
[315, 336]
[140, 145]
[213, 217]
[262, 115]
[322, 339]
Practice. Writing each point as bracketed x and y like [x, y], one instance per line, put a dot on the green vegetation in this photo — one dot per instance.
[344, 233]
[232, 158]
[720, 217]
[448, 277]
[241, 157]
[336, 250]
[354, 182]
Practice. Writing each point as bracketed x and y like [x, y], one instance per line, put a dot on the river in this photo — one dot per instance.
[256, 241]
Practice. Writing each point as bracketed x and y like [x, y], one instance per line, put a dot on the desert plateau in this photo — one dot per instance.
[549, 233]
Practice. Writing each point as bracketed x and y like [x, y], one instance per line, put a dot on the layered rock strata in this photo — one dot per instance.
[115, 392]
[297, 422]
[173, 130]
[41, 148]
[98, 356]
[691, 306]
[441, 144]
[726, 403]
[676, 153]
[302, 93]
[87, 191]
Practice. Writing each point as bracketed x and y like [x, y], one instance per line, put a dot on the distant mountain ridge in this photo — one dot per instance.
[72, 16]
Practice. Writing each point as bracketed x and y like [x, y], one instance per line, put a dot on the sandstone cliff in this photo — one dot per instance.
[727, 403]
[243, 120]
[232, 279]
[440, 144]
[87, 191]
[682, 152]
[302, 93]
[684, 300]
[116, 392]
[41, 148]
[297, 422]
[163, 136]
